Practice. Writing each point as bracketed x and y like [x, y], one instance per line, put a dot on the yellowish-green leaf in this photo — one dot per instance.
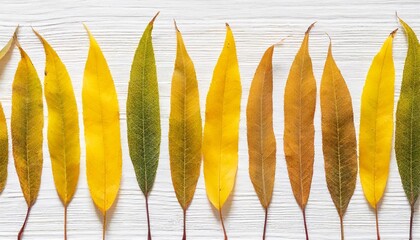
[299, 109]
[102, 130]
[63, 126]
[376, 124]
[27, 123]
[338, 137]
[221, 129]
[184, 127]
[143, 115]
[407, 133]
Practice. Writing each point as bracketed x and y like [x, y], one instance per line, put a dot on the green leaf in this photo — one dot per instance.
[407, 135]
[143, 114]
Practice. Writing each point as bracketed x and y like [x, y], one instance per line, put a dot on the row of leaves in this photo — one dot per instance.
[219, 144]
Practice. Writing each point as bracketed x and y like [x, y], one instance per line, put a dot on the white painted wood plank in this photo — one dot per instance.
[358, 28]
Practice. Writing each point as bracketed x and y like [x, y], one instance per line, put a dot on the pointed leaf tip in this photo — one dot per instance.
[330, 44]
[87, 29]
[280, 42]
[37, 34]
[393, 32]
[310, 27]
[154, 18]
[176, 27]
[328, 36]
[16, 32]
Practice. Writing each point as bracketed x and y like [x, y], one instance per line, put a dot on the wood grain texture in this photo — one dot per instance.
[358, 29]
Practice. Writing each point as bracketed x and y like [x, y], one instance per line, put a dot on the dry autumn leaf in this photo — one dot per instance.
[221, 129]
[261, 139]
[4, 142]
[376, 126]
[184, 128]
[4, 152]
[63, 127]
[407, 133]
[9, 44]
[299, 109]
[338, 137]
[102, 130]
[27, 123]
[143, 116]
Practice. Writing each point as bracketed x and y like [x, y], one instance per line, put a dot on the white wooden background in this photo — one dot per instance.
[358, 28]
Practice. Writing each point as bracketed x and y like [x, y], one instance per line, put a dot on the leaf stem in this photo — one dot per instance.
[223, 224]
[265, 222]
[24, 224]
[342, 227]
[149, 234]
[377, 223]
[304, 223]
[104, 226]
[65, 222]
[185, 225]
[411, 222]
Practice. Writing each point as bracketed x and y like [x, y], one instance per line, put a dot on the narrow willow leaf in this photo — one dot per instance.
[9, 44]
[299, 109]
[221, 129]
[376, 125]
[4, 152]
[102, 130]
[4, 143]
[261, 139]
[63, 127]
[338, 137]
[143, 116]
[27, 123]
[407, 134]
[184, 128]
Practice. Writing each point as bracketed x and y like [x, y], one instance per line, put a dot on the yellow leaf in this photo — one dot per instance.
[261, 139]
[4, 143]
[27, 123]
[299, 109]
[102, 130]
[221, 129]
[4, 152]
[9, 44]
[376, 124]
[63, 126]
[184, 127]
